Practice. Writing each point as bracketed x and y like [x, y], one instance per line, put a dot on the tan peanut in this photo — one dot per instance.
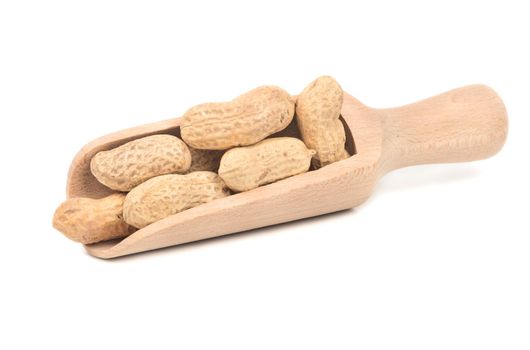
[243, 121]
[166, 195]
[204, 160]
[130, 164]
[318, 109]
[245, 168]
[89, 220]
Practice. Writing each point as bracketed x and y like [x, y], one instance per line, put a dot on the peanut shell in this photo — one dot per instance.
[318, 109]
[243, 121]
[166, 195]
[87, 220]
[134, 162]
[245, 168]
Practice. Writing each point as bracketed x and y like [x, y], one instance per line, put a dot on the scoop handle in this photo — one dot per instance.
[465, 124]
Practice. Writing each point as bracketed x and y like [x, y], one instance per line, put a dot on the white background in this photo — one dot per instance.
[438, 258]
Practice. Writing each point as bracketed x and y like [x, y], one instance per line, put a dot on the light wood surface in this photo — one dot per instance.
[464, 124]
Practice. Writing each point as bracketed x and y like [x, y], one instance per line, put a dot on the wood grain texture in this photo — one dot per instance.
[464, 124]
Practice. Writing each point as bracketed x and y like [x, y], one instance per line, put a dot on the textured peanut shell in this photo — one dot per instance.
[89, 220]
[204, 160]
[130, 164]
[245, 168]
[166, 195]
[318, 110]
[243, 121]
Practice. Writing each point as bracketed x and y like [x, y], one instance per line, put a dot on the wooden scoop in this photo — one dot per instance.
[465, 124]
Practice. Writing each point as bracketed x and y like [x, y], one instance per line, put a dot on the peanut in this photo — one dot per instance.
[166, 195]
[245, 120]
[89, 220]
[204, 160]
[134, 162]
[245, 168]
[318, 109]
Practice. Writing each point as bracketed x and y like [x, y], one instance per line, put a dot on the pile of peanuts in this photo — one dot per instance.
[225, 148]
